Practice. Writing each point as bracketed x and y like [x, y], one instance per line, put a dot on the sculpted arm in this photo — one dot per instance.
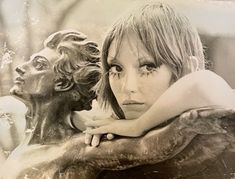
[156, 146]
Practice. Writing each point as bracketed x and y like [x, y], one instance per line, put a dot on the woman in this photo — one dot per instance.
[153, 70]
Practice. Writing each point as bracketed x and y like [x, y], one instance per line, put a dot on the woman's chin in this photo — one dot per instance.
[132, 115]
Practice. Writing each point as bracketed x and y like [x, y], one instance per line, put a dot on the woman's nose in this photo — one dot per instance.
[20, 70]
[130, 83]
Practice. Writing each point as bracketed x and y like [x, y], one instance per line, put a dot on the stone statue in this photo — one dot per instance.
[54, 82]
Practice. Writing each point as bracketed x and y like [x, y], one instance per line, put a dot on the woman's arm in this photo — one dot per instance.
[195, 90]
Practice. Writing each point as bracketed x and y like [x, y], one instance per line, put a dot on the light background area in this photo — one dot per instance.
[24, 24]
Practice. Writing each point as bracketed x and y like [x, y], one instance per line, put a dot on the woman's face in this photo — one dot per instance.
[135, 79]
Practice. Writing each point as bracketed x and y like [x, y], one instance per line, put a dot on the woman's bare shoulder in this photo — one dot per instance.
[206, 74]
[205, 79]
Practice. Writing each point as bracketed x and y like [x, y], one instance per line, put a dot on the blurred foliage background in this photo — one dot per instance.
[24, 24]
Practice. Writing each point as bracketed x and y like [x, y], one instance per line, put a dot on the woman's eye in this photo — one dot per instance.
[148, 68]
[115, 70]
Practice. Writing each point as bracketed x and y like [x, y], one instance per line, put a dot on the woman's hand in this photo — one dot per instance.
[79, 121]
[94, 139]
[128, 128]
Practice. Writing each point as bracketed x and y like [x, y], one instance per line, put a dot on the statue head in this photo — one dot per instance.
[67, 68]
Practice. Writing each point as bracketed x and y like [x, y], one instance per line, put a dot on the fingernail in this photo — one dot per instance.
[95, 144]
[110, 136]
[87, 141]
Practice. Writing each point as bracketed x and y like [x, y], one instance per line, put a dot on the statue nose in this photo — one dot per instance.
[20, 70]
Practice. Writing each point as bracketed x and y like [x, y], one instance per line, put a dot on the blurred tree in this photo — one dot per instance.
[54, 15]
[4, 45]
[28, 30]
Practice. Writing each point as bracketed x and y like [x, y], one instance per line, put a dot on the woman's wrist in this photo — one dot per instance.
[140, 126]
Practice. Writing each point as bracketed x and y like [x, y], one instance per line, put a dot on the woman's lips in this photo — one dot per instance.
[131, 102]
[132, 105]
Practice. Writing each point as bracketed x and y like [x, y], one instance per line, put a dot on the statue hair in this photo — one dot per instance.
[78, 64]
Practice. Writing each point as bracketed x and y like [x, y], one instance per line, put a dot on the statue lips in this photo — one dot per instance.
[17, 89]
[19, 80]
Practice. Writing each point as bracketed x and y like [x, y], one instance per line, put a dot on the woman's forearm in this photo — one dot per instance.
[199, 89]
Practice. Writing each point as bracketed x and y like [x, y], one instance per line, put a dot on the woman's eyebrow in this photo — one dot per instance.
[111, 59]
[145, 59]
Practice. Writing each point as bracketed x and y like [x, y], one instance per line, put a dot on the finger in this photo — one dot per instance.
[88, 138]
[110, 136]
[96, 140]
[189, 117]
[216, 113]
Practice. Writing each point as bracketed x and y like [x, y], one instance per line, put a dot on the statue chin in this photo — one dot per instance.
[16, 91]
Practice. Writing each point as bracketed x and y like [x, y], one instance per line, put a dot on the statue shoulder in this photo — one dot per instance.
[12, 123]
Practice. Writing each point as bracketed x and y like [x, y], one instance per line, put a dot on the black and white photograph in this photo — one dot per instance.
[117, 89]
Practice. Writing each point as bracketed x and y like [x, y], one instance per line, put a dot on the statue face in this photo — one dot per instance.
[36, 76]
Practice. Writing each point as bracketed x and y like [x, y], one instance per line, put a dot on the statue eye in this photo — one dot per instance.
[40, 63]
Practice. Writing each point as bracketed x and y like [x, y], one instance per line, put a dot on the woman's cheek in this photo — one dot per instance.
[115, 85]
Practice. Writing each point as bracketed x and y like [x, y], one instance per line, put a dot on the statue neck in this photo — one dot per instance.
[46, 121]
